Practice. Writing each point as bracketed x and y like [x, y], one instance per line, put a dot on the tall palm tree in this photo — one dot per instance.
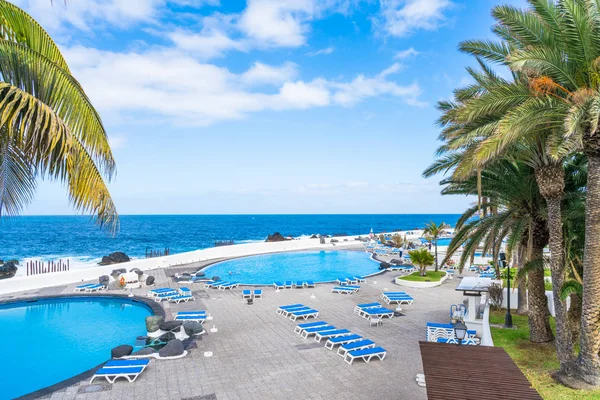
[433, 231]
[556, 45]
[48, 126]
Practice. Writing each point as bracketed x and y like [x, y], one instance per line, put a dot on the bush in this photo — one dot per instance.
[496, 294]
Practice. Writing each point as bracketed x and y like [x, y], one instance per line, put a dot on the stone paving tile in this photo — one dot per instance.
[257, 355]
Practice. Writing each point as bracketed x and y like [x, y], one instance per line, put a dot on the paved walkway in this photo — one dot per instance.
[257, 355]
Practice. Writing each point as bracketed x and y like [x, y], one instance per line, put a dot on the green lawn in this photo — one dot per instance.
[430, 276]
[537, 361]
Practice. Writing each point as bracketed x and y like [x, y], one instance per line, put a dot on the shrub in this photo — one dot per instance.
[496, 294]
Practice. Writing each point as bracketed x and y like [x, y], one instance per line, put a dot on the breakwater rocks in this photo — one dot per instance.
[8, 269]
[114, 258]
[276, 237]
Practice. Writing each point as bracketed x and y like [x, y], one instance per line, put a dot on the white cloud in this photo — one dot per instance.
[392, 69]
[263, 74]
[403, 17]
[277, 22]
[406, 54]
[206, 45]
[168, 84]
[327, 50]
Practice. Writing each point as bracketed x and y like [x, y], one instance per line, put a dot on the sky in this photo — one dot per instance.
[267, 106]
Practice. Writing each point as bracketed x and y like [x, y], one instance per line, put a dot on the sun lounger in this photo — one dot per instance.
[82, 288]
[361, 344]
[399, 299]
[355, 287]
[281, 308]
[228, 286]
[212, 284]
[304, 314]
[287, 312]
[199, 312]
[257, 293]
[313, 331]
[288, 284]
[246, 294]
[112, 374]
[309, 284]
[466, 341]
[195, 318]
[352, 280]
[299, 285]
[340, 340]
[365, 354]
[330, 334]
[166, 295]
[126, 363]
[178, 299]
[94, 288]
[184, 290]
[342, 290]
[155, 292]
[435, 331]
[376, 313]
[360, 279]
[307, 325]
[278, 285]
[387, 294]
[341, 281]
[362, 306]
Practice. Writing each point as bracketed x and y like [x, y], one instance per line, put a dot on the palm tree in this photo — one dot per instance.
[422, 258]
[510, 188]
[48, 127]
[556, 45]
[433, 231]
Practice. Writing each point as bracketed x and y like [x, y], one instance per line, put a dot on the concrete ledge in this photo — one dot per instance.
[413, 284]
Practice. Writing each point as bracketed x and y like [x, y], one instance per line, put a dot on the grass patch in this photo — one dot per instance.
[537, 361]
[430, 276]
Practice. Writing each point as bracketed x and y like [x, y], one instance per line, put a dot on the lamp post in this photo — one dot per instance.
[508, 317]
[460, 331]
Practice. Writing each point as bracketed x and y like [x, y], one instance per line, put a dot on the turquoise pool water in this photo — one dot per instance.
[51, 340]
[441, 241]
[318, 266]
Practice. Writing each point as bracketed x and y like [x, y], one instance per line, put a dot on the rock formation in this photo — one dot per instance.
[114, 258]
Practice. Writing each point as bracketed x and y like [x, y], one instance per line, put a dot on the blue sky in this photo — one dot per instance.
[267, 106]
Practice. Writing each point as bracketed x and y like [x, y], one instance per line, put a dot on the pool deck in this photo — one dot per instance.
[257, 355]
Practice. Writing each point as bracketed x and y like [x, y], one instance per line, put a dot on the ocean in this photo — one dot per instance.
[78, 239]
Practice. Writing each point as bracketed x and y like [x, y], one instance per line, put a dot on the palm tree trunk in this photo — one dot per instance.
[551, 181]
[436, 257]
[575, 316]
[521, 282]
[539, 316]
[588, 362]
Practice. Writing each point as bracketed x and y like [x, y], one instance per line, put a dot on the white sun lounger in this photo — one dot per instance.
[112, 374]
[330, 334]
[199, 312]
[399, 300]
[380, 312]
[212, 284]
[313, 331]
[227, 286]
[287, 312]
[301, 327]
[341, 340]
[288, 284]
[126, 363]
[246, 294]
[167, 295]
[82, 288]
[94, 288]
[184, 290]
[342, 290]
[309, 284]
[156, 292]
[304, 314]
[365, 354]
[281, 308]
[180, 298]
[362, 344]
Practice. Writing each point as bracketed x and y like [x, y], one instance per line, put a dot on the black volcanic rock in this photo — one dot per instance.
[276, 237]
[114, 258]
[8, 270]
[121, 351]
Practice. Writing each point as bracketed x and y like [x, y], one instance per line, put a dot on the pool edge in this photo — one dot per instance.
[155, 307]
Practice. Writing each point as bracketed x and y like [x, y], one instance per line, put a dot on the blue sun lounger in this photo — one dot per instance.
[184, 290]
[94, 288]
[82, 288]
[288, 311]
[257, 293]
[195, 318]
[365, 354]
[361, 344]
[112, 374]
[312, 331]
[199, 312]
[278, 285]
[340, 340]
[288, 284]
[309, 284]
[155, 292]
[126, 363]
[306, 314]
[360, 279]
[399, 300]
[299, 285]
[330, 334]
[166, 295]
[178, 299]
[360, 307]
[380, 312]
[341, 281]
[228, 286]
[246, 294]
[343, 290]
[467, 341]
[212, 284]
[301, 327]
[281, 308]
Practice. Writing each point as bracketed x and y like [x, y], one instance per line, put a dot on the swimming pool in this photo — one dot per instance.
[50, 340]
[318, 266]
[441, 241]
